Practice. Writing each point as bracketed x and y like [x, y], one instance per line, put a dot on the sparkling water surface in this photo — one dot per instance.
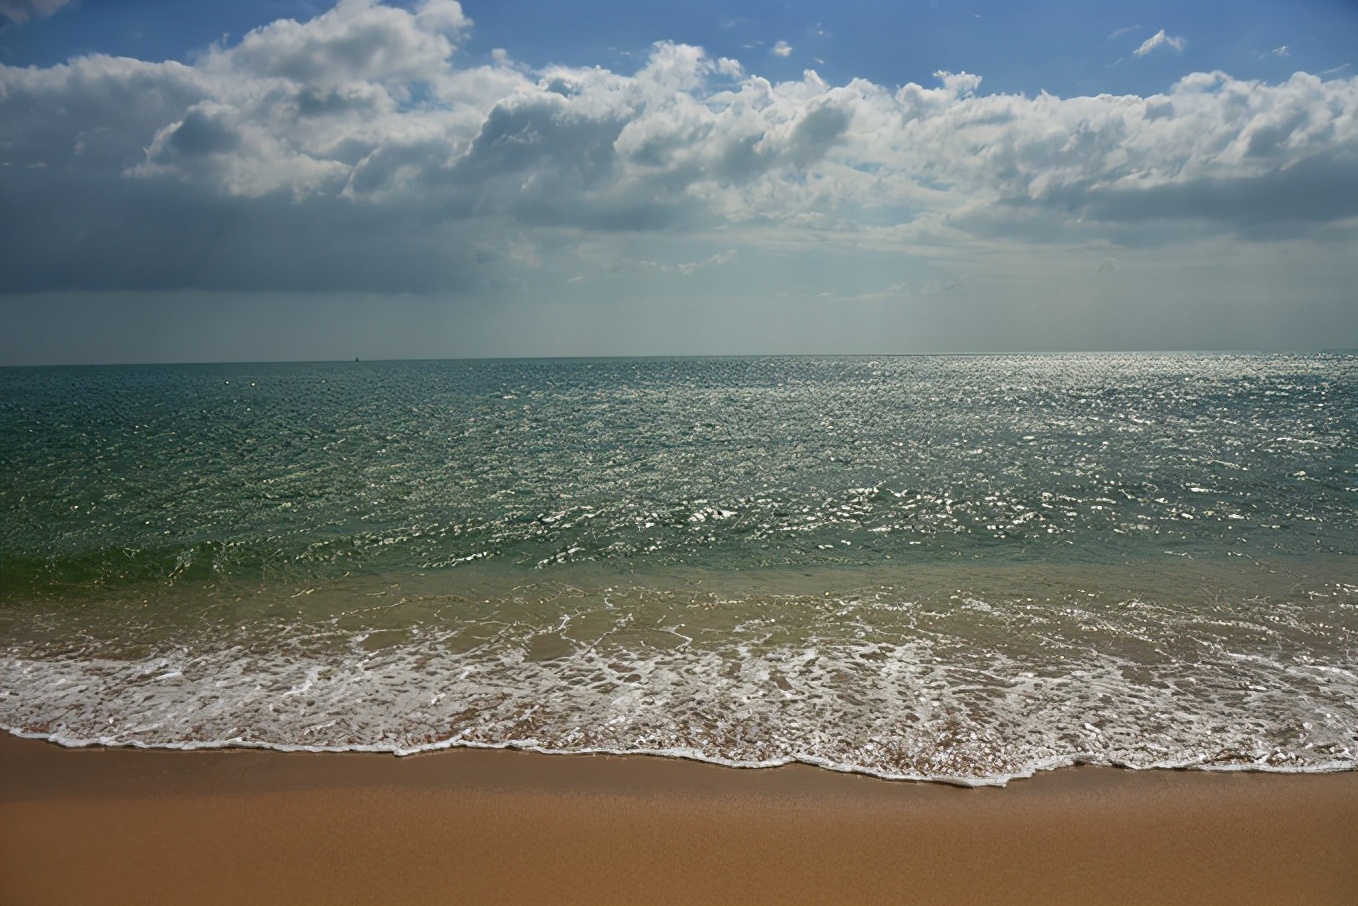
[952, 568]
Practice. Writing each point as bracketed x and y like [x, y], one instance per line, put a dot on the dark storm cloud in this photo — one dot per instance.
[1315, 190]
[93, 234]
[815, 133]
[202, 132]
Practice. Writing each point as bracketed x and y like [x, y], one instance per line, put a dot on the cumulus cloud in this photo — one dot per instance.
[358, 40]
[356, 150]
[1160, 39]
[17, 12]
[781, 49]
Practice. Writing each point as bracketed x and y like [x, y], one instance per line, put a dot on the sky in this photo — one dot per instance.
[280, 180]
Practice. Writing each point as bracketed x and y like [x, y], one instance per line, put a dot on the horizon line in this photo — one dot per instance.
[358, 360]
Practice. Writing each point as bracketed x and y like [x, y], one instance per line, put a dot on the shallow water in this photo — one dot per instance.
[957, 568]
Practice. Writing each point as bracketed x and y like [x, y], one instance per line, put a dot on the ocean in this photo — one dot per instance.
[960, 568]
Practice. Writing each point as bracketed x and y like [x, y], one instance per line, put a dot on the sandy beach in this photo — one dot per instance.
[122, 826]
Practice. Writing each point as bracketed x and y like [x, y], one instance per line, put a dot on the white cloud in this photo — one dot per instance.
[357, 40]
[781, 49]
[689, 267]
[355, 148]
[1160, 39]
[1281, 51]
[443, 16]
[20, 11]
[908, 289]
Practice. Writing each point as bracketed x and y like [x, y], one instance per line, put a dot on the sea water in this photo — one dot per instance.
[963, 569]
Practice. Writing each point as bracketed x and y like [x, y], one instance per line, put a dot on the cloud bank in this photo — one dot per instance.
[360, 151]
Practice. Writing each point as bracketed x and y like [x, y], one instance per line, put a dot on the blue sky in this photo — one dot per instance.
[1062, 47]
[297, 180]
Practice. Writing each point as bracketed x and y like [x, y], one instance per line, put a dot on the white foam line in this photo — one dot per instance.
[993, 780]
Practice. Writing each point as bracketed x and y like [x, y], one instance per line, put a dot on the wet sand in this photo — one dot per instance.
[124, 826]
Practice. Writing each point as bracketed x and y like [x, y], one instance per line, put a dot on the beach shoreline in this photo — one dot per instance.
[475, 825]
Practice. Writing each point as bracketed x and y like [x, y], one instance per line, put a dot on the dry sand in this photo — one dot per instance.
[130, 826]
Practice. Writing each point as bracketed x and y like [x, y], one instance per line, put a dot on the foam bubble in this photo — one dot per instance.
[968, 689]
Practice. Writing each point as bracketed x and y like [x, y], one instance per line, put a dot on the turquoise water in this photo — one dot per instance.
[960, 568]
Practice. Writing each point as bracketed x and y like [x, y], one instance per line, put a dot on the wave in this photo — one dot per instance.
[960, 688]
